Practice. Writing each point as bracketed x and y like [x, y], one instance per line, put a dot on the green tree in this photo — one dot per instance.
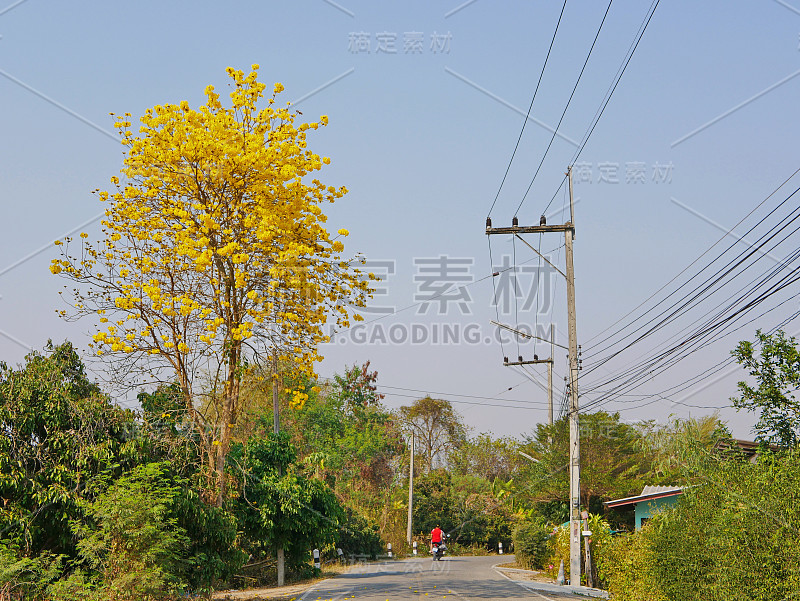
[60, 441]
[166, 434]
[434, 503]
[279, 506]
[776, 369]
[672, 446]
[357, 388]
[613, 464]
[488, 457]
[439, 430]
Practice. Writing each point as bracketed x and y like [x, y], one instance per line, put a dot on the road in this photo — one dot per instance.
[453, 578]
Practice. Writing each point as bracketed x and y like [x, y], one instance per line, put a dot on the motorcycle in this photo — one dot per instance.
[438, 550]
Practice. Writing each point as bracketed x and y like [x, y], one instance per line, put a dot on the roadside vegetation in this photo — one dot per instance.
[105, 502]
[234, 461]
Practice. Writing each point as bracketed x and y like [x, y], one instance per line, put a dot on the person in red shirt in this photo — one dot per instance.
[436, 536]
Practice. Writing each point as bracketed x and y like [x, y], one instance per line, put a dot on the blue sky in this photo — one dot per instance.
[426, 101]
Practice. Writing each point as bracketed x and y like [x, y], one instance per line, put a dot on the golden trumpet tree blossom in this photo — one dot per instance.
[214, 250]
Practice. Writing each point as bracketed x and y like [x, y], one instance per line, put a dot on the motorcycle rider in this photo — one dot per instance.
[436, 538]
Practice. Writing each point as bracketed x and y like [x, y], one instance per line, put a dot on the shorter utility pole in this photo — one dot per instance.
[550, 375]
[536, 360]
[276, 428]
[410, 491]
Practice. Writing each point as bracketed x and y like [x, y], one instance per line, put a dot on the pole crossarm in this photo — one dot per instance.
[535, 361]
[530, 229]
[525, 334]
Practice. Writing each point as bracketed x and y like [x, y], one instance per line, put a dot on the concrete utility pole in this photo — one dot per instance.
[574, 429]
[574, 432]
[410, 491]
[550, 375]
[276, 408]
[276, 428]
[536, 360]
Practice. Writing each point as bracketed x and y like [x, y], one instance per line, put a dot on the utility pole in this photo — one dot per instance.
[574, 432]
[276, 428]
[410, 491]
[574, 429]
[550, 375]
[276, 408]
[537, 360]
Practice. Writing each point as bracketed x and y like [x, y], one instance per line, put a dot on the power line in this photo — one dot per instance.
[659, 364]
[564, 112]
[525, 121]
[685, 269]
[701, 290]
[467, 396]
[621, 72]
[676, 389]
[481, 404]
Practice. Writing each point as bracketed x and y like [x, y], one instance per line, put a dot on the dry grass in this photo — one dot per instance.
[283, 593]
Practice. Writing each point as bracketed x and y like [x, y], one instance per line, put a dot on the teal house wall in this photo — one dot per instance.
[652, 500]
[646, 509]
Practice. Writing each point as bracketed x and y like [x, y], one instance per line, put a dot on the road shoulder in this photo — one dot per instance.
[537, 581]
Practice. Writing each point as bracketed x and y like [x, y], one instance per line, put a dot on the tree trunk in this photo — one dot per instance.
[281, 568]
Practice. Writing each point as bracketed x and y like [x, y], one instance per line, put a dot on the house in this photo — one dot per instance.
[747, 449]
[652, 500]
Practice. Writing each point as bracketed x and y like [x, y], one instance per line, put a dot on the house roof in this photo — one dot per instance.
[649, 493]
[748, 448]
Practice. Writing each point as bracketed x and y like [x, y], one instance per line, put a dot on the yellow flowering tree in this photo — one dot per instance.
[214, 252]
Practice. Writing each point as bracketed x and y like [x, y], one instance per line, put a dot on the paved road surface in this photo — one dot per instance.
[452, 579]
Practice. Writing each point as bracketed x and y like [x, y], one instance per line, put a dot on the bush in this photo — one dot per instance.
[213, 555]
[558, 551]
[558, 547]
[625, 566]
[731, 538]
[735, 535]
[530, 544]
[136, 545]
[358, 537]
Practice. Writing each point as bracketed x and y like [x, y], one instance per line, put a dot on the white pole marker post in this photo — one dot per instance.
[500, 546]
[316, 559]
[390, 549]
[415, 547]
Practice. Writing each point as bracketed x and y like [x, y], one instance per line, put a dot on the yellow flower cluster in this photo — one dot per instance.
[215, 235]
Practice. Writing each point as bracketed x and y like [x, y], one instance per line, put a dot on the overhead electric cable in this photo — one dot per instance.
[530, 107]
[626, 62]
[684, 270]
[564, 112]
[697, 293]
